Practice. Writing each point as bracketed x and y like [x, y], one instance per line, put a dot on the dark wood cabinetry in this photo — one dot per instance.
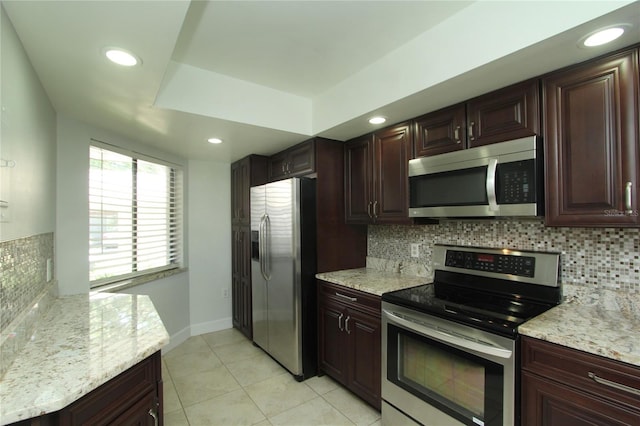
[376, 180]
[505, 114]
[591, 143]
[298, 160]
[349, 331]
[132, 398]
[563, 386]
[245, 173]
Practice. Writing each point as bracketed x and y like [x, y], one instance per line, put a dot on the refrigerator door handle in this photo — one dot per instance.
[261, 246]
[267, 248]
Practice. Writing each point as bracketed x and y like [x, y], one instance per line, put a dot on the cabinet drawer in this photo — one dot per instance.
[106, 403]
[352, 298]
[574, 368]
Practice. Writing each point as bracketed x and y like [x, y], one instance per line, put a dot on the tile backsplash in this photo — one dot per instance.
[24, 291]
[598, 265]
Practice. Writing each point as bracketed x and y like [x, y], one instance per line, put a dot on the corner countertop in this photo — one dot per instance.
[372, 281]
[611, 334]
[82, 342]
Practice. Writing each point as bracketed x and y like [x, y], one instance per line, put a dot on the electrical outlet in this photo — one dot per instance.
[415, 250]
[225, 293]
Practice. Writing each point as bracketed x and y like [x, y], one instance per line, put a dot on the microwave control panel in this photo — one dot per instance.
[499, 263]
[516, 182]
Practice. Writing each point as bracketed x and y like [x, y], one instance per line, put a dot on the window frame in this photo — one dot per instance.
[175, 207]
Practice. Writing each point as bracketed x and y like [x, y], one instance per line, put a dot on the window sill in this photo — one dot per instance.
[132, 282]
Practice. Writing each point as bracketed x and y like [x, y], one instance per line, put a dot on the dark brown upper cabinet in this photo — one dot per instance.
[245, 173]
[509, 113]
[298, 160]
[376, 180]
[591, 143]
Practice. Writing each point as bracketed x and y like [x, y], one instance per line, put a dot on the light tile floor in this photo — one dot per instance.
[222, 379]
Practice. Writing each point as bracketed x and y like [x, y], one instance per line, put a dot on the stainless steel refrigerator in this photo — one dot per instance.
[283, 267]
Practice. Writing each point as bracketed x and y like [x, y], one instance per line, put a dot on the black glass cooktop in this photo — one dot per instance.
[498, 313]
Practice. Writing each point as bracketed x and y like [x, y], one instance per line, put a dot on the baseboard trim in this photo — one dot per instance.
[211, 326]
[176, 339]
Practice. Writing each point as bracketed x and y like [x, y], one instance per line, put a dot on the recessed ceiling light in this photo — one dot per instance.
[121, 57]
[214, 140]
[603, 36]
[377, 120]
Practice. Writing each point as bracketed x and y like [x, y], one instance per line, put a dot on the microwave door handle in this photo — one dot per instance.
[491, 184]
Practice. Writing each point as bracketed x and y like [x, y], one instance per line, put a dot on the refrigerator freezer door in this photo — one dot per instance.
[283, 288]
[258, 283]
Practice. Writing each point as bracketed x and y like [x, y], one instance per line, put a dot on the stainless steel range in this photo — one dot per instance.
[450, 349]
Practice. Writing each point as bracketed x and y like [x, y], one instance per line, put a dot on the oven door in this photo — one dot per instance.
[438, 372]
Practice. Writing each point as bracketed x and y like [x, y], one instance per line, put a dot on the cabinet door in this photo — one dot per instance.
[440, 131]
[240, 191]
[545, 402]
[332, 345]
[301, 159]
[391, 182]
[278, 166]
[365, 355]
[509, 113]
[236, 278]
[358, 180]
[241, 280]
[591, 143]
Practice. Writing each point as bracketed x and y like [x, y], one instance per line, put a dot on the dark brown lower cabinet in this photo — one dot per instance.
[349, 328]
[132, 398]
[241, 279]
[566, 387]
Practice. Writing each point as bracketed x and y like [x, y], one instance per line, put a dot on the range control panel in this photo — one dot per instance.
[523, 266]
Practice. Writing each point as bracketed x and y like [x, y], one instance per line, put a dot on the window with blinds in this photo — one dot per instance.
[135, 216]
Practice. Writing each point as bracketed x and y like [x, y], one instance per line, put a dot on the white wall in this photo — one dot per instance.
[209, 245]
[27, 137]
[189, 303]
[170, 295]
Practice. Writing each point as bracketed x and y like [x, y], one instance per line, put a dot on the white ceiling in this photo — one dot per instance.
[263, 75]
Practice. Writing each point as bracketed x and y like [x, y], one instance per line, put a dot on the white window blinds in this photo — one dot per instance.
[135, 216]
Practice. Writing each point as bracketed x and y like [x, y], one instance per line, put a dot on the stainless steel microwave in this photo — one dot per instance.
[498, 180]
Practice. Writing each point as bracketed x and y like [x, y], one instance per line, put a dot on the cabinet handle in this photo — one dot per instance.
[350, 299]
[154, 415]
[283, 172]
[340, 322]
[288, 168]
[375, 204]
[614, 385]
[456, 134]
[627, 198]
[369, 210]
[471, 131]
[346, 325]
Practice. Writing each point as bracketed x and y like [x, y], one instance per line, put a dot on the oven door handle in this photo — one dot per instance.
[442, 334]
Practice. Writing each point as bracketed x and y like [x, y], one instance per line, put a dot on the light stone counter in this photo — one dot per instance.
[591, 329]
[371, 280]
[81, 342]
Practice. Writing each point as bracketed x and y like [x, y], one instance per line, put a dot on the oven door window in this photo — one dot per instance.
[465, 386]
[466, 187]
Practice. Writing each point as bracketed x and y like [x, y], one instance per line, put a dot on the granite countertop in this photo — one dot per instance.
[591, 329]
[80, 343]
[371, 280]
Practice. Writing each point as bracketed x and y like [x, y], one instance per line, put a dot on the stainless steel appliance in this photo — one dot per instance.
[283, 267]
[450, 349]
[502, 179]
